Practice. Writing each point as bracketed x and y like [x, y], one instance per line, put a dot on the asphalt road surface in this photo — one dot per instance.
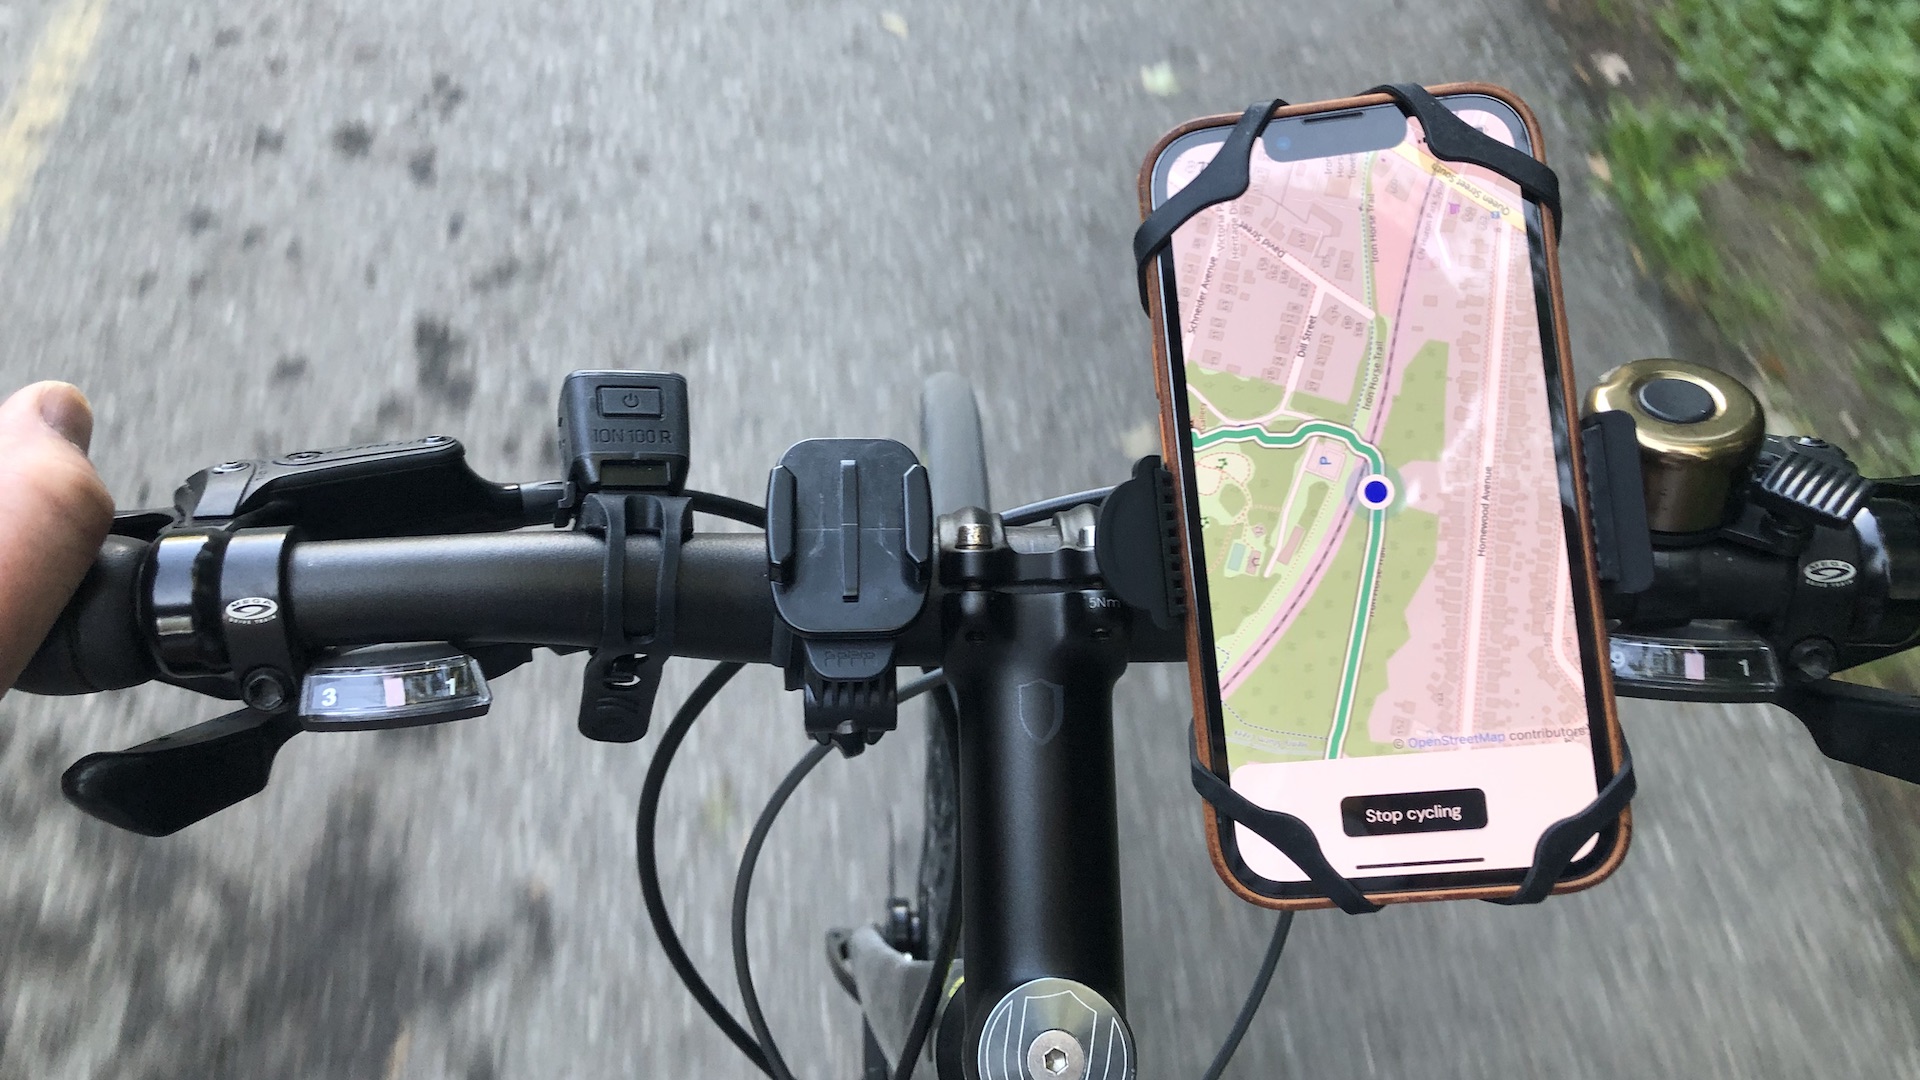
[265, 226]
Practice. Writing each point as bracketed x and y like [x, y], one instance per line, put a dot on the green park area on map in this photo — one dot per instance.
[1287, 711]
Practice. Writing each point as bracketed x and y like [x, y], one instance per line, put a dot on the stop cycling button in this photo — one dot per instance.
[629, 401]
[1414, 812]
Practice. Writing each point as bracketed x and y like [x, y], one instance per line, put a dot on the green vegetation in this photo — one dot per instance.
[1416, 428]
[1663, 158]
[1273, 474]
[1241, 399]
[1233, 501]
[1831, 86]
[1316, 493]
[1404, 564]
[1325, 408]
[1295, 690]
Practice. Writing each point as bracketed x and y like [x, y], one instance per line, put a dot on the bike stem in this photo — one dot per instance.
[1033, 675]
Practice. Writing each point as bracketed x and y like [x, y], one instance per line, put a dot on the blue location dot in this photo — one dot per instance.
[1376, 492]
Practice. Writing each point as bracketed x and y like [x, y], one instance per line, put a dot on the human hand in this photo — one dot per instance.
[54, 512]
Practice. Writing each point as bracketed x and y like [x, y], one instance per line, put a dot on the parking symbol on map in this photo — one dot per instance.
[1376, 492]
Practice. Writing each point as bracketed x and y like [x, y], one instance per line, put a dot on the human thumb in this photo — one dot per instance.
[54, 512]
[65, 409]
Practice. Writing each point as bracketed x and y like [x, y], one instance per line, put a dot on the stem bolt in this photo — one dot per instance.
[1056, 1055]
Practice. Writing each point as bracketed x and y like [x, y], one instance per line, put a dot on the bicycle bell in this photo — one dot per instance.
[1698, 431]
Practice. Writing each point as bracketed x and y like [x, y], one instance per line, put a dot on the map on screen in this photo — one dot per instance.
[1381, 520]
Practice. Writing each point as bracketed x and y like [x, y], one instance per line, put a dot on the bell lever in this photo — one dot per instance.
[623, 440]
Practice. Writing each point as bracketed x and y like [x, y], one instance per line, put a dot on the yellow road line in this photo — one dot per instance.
[33, 115]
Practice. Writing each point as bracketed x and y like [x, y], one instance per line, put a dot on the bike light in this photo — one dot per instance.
[624, 430]
[392, 686]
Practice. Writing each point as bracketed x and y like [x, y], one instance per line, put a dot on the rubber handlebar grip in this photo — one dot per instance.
[96, 644]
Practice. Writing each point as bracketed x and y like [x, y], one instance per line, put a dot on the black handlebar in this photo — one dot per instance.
[538, 588]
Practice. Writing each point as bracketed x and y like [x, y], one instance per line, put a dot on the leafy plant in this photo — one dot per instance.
[1662, 158]
[1835, 84]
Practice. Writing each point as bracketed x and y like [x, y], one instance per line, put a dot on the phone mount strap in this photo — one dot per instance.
[1563, 839]
[1293, 837]
[1223, 180]
[1226, 177]
[1556, 849]
[1453, 139]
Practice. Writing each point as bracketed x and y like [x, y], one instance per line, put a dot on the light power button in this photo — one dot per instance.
[630, 401]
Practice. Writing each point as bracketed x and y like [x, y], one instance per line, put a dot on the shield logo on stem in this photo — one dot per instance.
[1042, 708]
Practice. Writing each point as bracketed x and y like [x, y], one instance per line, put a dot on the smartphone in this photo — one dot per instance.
[1366, 402]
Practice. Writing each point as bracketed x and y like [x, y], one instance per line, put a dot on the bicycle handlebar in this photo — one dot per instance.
[541, 589]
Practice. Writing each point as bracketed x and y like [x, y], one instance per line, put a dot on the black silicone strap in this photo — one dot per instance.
[1563, 839]
[1554, 852]
[1293, 837]
[1448, 137]
[1223, 180]
[1453, 139]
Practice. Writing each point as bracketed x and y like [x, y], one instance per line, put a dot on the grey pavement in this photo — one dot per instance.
[266, 226]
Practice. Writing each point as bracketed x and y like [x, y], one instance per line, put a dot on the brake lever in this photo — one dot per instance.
[162, 786]
[1876, 729]
[1872, 728]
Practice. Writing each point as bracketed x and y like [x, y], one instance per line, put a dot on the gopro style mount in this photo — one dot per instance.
[850, 553]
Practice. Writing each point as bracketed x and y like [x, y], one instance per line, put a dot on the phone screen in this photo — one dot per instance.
[1372, 401]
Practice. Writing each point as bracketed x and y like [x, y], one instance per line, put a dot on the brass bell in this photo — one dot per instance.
[1698, 431]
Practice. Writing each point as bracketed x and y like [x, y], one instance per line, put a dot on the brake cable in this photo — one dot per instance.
[1033, 513]
[759, 1046]
[743, 883]
[646, 857]
[775, 1065]
[1255, 995]
[648, 815]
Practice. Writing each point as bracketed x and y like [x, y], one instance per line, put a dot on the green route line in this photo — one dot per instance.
[1376, 520]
